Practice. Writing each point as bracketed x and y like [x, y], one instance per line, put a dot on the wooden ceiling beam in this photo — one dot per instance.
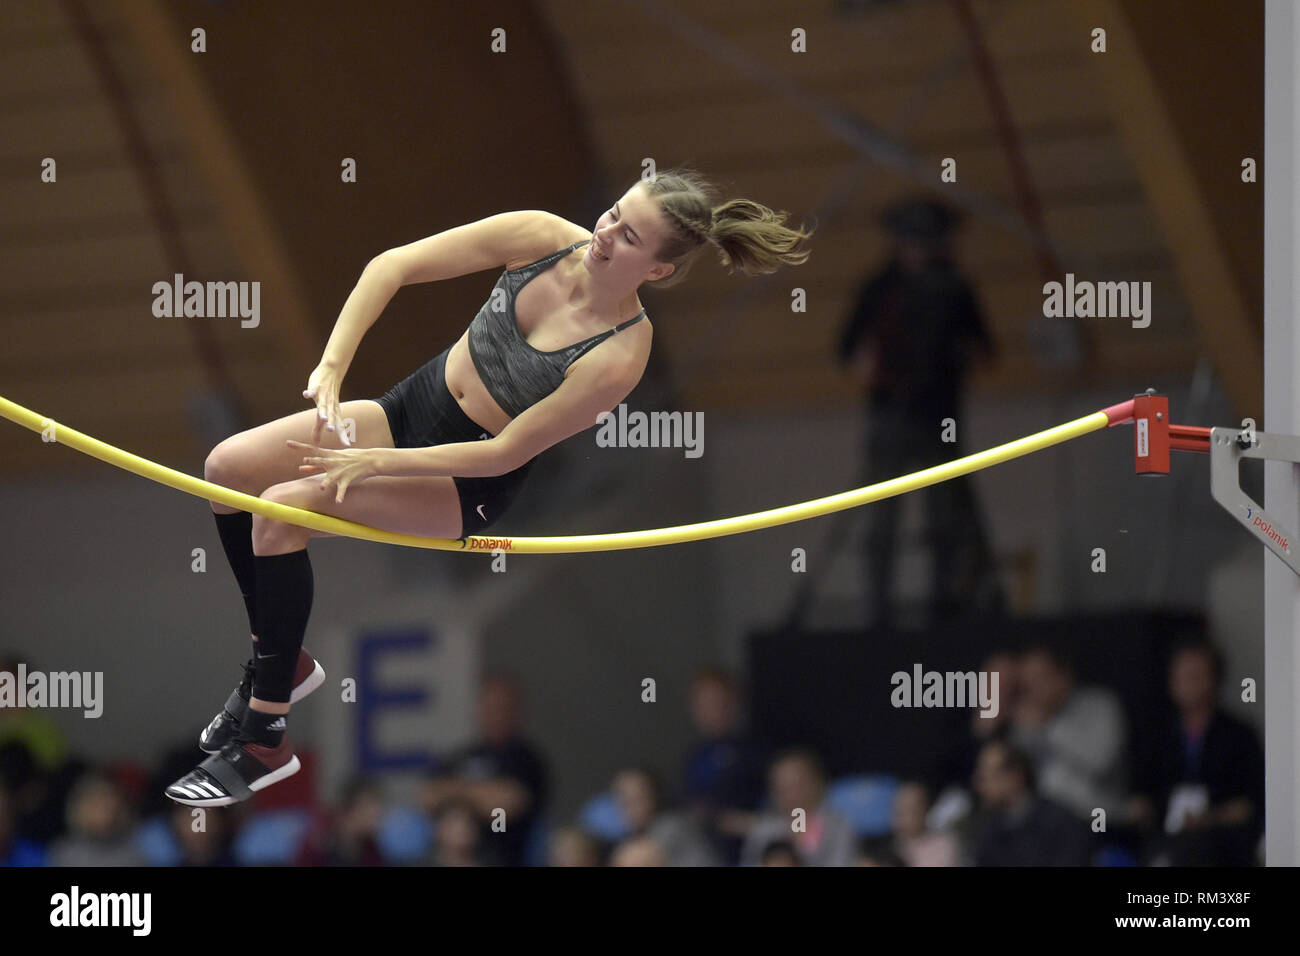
[1167, 170]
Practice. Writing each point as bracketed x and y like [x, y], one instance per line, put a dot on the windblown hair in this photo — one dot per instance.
[748, 235]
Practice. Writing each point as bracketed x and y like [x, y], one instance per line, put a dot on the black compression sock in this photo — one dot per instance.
[284, 595]
[236, 532]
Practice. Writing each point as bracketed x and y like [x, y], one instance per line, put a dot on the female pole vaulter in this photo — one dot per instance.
[443, 452]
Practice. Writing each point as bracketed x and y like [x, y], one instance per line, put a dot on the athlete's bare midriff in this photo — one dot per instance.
[557, 327]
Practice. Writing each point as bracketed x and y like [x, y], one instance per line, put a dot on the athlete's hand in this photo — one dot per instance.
[323, 388]
[338, 467]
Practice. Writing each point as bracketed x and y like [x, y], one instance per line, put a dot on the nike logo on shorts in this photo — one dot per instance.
[479, 509]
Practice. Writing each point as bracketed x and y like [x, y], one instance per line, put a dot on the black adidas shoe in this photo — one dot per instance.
[235, 773]
[307, 676]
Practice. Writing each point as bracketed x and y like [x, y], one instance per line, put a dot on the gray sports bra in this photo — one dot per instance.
[514, 373]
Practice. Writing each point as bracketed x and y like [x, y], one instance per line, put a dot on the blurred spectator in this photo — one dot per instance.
[23, 780]
[15, 851]
[958, 764]
[878, 853]
[503, 771]
[638, 851]
[909, 340]
[99, 827]
[457, 836]
[824, 838]
[1201, 784]
[571, 846]
[35, 768]
[349, 836]
[780, 853]
[914, 842]
[32, 726]
[641, 802]
[724, 769]
[203, 840]
[1016, 827]
[1075, 736]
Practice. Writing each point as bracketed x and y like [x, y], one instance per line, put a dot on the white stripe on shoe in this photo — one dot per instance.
[312, 681]
[275, 776]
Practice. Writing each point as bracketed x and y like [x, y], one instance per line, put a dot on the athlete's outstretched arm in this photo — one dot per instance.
[368, 298]
[490, 243]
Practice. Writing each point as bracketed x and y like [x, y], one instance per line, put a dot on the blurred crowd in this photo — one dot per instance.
[1059, 776]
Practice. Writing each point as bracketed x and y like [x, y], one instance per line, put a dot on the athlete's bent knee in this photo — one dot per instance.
[224, 466]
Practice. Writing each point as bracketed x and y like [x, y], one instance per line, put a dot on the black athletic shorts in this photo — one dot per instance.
[421, 412]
